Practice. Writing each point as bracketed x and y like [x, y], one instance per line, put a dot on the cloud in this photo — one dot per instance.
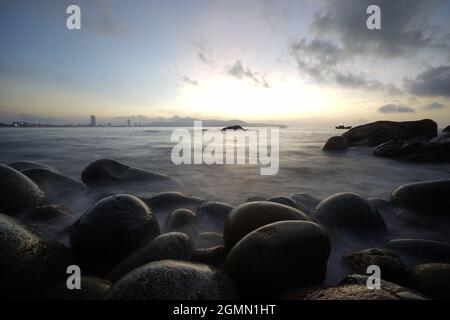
[434, 106]
[406, 26]
[393, 108]
[239, 71]
[189, 81]
[431, 82]
[204, 51]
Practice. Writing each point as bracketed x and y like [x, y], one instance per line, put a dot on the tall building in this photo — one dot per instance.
[93, 121]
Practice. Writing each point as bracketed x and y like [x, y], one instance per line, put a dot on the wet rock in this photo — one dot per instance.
[213, 256]
[351, 213]
[107, 172]
[435, 150]
[113, 228]
[418, 251]
[53, 183]
[233, 128]
[24, 165]
[447, 129]
[183, 220]
[92, 288]
[305, 202]
[432, 279]
[172, 245]
[29, 265]
[173, 280]
[431, 198]
[391, 266]
[287, 201]
[18, 194]
[375, 133]
[279, 256]
[166, 202]
[337, 143]
[250, 216]
[209, 239]
[212, 215]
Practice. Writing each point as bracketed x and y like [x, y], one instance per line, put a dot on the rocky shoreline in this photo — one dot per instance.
[175, 246]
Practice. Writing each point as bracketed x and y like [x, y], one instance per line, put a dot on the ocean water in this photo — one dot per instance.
[303, 167]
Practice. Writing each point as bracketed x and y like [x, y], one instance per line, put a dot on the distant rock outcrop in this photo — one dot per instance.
[233, 128]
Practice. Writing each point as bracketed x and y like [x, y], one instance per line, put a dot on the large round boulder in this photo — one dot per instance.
[351, 213]
[173, 280]
[337, 143]
[18, 194]
[431, 198]
[182, 220]
[432, 279]
[252, 215]
[420, 251]
[279, 256]
[113, 228]
[172, 245]
[92, 288]
[29, 265]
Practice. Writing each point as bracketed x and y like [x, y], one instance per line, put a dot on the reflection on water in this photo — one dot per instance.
[303, 166]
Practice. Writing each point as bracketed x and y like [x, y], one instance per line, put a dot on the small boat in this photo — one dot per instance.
[343, 126]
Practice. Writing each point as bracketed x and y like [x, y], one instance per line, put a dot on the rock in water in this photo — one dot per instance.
[92, 288]
[183, 220]
[418, 251]
[213, 256]
[447, 129]
[166, 202]
[375, 133]
[113, 228]
[351, 213]
[337, 143]
[252, 215]
[279, 256]
[107, 172]
[173, 280]
[173, 245]
[431, 198]
[18, 194]
[24, 165]
[391, 266]
[53, 183]
[305, 202]
[431, 279]
[29, 266]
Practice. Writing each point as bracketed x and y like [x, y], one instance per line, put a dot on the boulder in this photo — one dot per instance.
[375, 133]
[391, 266]
[167, 202]
[305, 202]
[418, 251]
[432, 279]
[172, 245]
[24, 165]
[53, 183]
[173, 280]
[287, 201]
[349, 212]
[253, 215]
[351, 292]
[213, 256]
[92, 288]
[431, 198]
[107, 172]
[428, 151]
[18, 194]
[29, 265]
[447, 129]
[113, 228]
[337, 143]
[212, 215]
[183, 220]
[279, 256]
[51, 213]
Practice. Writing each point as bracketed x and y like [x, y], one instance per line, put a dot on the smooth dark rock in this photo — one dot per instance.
[18, 194]
[209, 239]
[29, 265]
[287, 201]
[305, 202]
[431, 198]
[233, 128]
[418, 251]
[432, 279]
[213, 256]
[382, 131]
[253, 215]
[113, 228]
[351, 213]
[183, 220]
[169, 201]
[447, 129]
[337, 143]
[391, 266]
[212, 215]
[172, 245]
[279, 256]
[50, 213]
[92, 288]
[173, 280]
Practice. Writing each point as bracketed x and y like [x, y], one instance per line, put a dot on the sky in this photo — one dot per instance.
[285, 61]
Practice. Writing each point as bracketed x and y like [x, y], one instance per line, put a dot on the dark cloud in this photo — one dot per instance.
[394, 108]
[187, 80]
[405, 26]
[239, 71]
[432, 82]
[204, 51]
[434, 106]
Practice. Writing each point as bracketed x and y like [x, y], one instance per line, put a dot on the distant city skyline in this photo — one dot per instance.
[283, 61]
